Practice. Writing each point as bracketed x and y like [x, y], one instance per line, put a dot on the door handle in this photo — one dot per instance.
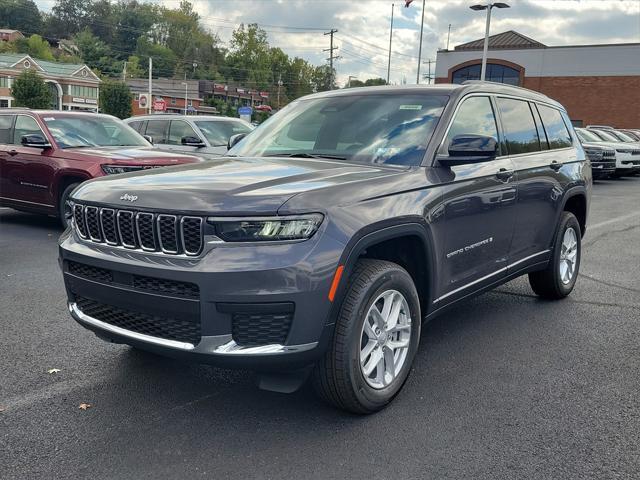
[504, 174]
[555, 165]
[13, 152]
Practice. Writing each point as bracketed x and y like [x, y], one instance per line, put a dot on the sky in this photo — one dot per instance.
[298, 26]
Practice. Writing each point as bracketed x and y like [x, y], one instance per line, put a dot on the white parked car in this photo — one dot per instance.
[199, 134]
[627, 154]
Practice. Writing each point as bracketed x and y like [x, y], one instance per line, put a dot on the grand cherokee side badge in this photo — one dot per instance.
[130, 198]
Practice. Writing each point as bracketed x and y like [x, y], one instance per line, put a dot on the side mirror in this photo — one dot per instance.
[470, 148]
[148, 138]
[190, 141]
[234, 139]
[35, 140]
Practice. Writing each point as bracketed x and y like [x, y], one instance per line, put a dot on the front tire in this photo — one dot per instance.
[375, 340]
[64, 210]
[558, 279]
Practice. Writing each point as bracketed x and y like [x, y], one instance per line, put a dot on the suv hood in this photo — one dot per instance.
[228, 185]
[131, 155]
[599, 145]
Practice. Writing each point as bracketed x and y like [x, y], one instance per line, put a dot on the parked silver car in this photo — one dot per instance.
[201, 134]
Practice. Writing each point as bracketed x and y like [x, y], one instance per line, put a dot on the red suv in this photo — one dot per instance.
[44, 155]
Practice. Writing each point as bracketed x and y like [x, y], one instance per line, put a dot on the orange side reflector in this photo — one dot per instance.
[336, 281]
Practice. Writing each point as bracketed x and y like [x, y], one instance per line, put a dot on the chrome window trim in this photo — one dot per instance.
[176, 233]
[201, 230]
[115, 224]
[86, 223]
[133, 231]
[153, 231]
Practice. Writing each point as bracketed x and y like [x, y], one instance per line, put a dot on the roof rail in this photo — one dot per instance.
[487, 82]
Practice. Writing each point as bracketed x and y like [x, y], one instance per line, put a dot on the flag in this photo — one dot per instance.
[407, 3]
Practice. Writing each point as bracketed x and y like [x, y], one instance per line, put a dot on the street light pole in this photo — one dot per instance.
[390, 38]
[488, 7]
[420, 46]
[349, 80]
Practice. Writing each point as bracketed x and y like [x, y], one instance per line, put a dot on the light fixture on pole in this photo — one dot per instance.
[349, 80]
[488, 7]
[186, 90]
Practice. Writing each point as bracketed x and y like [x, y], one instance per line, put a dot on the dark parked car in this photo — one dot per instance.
[44, 155]
[325, 238]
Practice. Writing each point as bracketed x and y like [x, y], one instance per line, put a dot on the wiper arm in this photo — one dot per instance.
[308, 155]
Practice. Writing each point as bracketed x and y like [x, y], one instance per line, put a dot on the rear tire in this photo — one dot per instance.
[558, 279]
[384, 347]
[64, 211]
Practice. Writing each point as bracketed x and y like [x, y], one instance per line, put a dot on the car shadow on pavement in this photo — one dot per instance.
[14, 217]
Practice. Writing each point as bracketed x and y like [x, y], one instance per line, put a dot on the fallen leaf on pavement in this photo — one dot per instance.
[53, 370]
[1, 408]
[84, 406]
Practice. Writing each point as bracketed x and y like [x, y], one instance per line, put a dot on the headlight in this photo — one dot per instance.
[114, 169]
[298, 227]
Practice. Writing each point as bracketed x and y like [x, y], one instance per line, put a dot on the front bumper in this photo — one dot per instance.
[228, 280]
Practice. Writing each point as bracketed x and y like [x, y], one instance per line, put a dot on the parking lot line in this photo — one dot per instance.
[613, 220]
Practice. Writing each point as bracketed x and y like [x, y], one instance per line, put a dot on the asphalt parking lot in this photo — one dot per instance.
[505, 386]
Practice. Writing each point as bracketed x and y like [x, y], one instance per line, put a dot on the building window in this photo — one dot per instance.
[4, 103]
[83, 91]
[495, 73]
[190, 103]
[4, 82]
[173, 100]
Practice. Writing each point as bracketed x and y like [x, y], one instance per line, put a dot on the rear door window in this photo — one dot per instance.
[158, 130]
[521, 135]
[474, 116]
[557, 131]
[6, 122]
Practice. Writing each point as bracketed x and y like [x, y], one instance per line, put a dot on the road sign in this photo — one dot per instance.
[245, 111]
[159, 105]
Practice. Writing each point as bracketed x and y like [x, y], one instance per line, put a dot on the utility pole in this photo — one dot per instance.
[420, 47]
[428, 76]
[390, 38]
[279, 85]
[124, 72]
[448, 36]
[150, 99]
[332, 57]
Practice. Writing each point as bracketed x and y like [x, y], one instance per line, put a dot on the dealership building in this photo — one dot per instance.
[73, 86]
[598, 84]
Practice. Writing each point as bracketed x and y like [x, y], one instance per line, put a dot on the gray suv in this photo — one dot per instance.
[204, 135]
[323, 241]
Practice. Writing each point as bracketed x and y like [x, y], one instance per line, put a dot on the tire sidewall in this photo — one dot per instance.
[64, 196]
[396, 279]
[568, 221]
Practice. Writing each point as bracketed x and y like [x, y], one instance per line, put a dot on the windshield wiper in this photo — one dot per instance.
[308, 155]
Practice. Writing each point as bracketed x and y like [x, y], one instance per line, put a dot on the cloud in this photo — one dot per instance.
[363, 27]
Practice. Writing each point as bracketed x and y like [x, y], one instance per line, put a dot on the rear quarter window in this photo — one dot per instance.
[6, 121]
[557, 132]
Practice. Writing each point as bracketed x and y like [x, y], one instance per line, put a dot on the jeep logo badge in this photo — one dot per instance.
[129, 198]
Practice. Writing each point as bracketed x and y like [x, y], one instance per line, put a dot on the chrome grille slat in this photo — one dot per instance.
[126, 228]
[145, 227]
[168, 233]
[191, 235]
[144, 231]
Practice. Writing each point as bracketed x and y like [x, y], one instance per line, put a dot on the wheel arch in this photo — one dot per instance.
[415, 237]
[575, 201]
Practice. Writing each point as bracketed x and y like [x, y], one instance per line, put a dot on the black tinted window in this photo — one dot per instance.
[157, 129]
[557, 132]
[135, 125]
[180, 129]
[475, 116]
[520, 131]
[5, 128]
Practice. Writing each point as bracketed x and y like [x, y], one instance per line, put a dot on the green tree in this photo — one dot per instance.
[67, 17]
[249, 62]
[91, 48]
[133, 21]
[372, 82]
[20, 15]
[29, 90]
[35, 46]
[115, 99]
[164, 60]
[134, 70]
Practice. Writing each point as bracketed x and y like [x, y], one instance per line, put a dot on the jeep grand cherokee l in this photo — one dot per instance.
[325, 238]
[44, 155]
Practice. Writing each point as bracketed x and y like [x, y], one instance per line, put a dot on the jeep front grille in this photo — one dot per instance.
[146, 231]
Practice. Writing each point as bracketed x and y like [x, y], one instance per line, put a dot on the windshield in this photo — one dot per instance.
[217, 132]
[375, 128]
[606, 136]
[623, 136]
[92, 131]
[587, 136]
